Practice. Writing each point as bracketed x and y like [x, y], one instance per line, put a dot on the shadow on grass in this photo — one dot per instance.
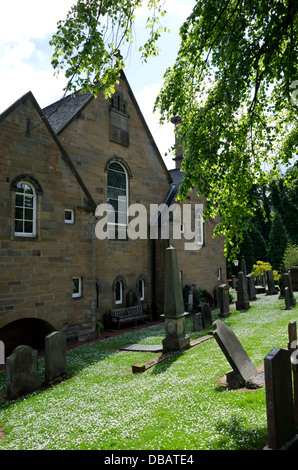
[242, 438]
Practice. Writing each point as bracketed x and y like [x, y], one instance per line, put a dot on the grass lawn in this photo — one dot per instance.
[175, 405]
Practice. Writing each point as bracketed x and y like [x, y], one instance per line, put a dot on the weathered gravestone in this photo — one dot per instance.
[224, 300]
[242, 302]
[206, 313]
[292, 332]
[279, 400]
[288, 284]
[22, 372]
[234, 281]
[198, 321]
[242, 366]
[282, 283]
[251, 287]
[271, 284]
[174, 314]
[287, 299]
[55, 356]
[294, 362]
[243, 265]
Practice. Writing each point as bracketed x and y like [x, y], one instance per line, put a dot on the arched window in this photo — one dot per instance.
[141, 288]
[117, 193]
[25, 210]
[199, 229]
[118, 292]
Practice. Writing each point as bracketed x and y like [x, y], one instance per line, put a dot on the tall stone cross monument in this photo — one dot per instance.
[174, 314]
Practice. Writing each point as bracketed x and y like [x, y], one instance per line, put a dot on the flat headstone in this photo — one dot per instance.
[55, 356]
[142, 347]
[234, 352]
[279, 399]
[22, 372]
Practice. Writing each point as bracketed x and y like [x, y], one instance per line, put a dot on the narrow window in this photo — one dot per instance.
[25, 210]
[76, 287]
[118, 292]
[117, 192]
[141, 286]
[69, 216]
[199, 229]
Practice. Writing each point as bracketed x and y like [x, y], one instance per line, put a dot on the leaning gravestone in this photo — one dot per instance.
[174, 314]
[271, 284]
[22, 372]
[55, 356]
[242, 302]
[279, 400]
[224, 300]
[234, 352]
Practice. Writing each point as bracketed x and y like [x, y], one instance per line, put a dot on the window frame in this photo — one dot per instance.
[33, 196]
[199, 228]
[78, 294]
[120, 301]
[71, 221]
[114, 223]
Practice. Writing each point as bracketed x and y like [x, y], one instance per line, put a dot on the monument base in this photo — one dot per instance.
[242, 305]
[176, 339]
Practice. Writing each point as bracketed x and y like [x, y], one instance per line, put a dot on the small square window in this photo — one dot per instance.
[76, 287]
[69, 216]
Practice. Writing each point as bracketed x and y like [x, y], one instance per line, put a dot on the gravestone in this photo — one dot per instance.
[189, 293]
[234, 281]
[294, 362]
[2, 352]
[287, 299]
[271, 284]
[288, 283]
[55, 356]
[243, 266]
[251, 287]
[224, 300]
[22, 372]
[292, 332]
[198, 321]
[206, 313]
[282, 283]
[174, 314]
[242, 302]
[279, 400]
[234, 352]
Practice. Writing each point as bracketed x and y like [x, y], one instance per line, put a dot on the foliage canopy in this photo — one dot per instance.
[232, 85]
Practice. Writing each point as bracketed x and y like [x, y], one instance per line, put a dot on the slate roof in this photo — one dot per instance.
[60, 113]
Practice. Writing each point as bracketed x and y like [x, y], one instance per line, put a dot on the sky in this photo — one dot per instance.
[26, 27]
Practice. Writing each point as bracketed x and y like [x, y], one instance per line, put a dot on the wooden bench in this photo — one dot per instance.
[128, 314]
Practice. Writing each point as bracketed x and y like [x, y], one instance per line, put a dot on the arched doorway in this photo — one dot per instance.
[27, 331]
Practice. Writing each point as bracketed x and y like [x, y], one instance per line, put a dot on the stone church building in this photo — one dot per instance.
[57, 166]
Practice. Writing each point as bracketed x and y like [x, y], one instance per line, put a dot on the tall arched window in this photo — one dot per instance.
[117, 193]
[25, 210]
[199, 229]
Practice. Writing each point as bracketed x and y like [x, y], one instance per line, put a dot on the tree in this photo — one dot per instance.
[278, 240]
[231, 85]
